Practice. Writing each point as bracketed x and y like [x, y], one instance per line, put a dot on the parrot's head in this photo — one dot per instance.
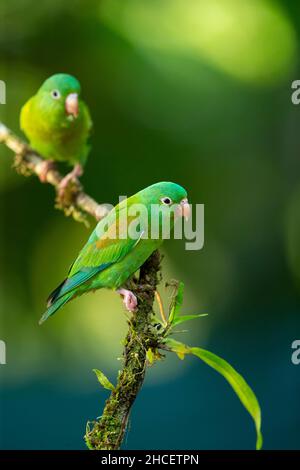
[164, 196]
[59, 98]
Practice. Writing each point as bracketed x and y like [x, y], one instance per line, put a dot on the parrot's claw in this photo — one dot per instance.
[71, 177]
[43, 169]
[129, 299]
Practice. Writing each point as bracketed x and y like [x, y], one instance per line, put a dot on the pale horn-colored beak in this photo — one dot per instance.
[71, 105]
[184, 209]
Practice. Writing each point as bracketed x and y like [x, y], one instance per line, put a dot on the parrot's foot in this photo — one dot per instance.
[69, 186]
[43, 169]
[129, 299]
[71, 177]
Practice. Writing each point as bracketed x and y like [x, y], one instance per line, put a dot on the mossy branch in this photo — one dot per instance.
[108, 432]
[27, 162]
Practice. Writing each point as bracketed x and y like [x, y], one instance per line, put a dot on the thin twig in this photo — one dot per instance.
[161, 307]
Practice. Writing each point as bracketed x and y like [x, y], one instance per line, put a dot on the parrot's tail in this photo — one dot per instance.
[55, 306]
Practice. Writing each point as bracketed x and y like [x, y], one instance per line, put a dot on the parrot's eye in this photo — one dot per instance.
[55, 94]
[166, 200]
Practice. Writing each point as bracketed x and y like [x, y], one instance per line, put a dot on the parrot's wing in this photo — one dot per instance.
[98, 254]
[25, 116]
[88, 131]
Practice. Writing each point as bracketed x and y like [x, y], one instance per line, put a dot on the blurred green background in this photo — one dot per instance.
[192, 91]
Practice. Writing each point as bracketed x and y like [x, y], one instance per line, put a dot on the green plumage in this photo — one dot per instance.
[111, 256]
[51, 131]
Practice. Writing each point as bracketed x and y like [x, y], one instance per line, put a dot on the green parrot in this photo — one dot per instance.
[57, 124]
[121, 242]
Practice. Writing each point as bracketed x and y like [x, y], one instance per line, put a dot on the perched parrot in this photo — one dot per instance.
[58, 124]
[121, 242]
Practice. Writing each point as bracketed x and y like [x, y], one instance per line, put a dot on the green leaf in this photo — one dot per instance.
[175, 317]
[179, 348]
[177, 304]
[183, 318]
[150, 356]
[239, 385]
[103, 380]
